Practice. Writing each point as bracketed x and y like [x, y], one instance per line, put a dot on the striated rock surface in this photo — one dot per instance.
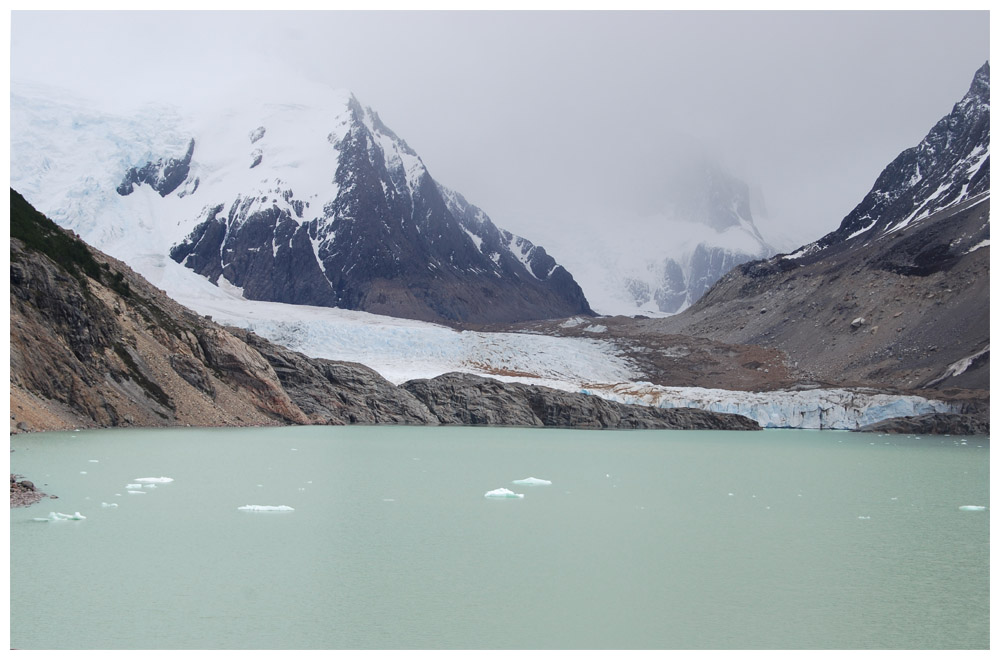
[472, 400]
[938, 423]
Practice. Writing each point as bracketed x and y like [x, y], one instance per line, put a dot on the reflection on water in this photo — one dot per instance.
[381, 537]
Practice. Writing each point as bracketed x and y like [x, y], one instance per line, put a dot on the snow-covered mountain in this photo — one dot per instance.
[313, 201]
[662, 263]
[949, 167]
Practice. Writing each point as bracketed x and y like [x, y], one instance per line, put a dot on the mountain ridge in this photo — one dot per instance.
[898, 295]
[320, 203]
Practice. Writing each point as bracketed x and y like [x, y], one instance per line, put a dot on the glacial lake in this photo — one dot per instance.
[643, 540]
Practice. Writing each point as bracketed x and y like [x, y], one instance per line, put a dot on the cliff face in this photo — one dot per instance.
[93, 344]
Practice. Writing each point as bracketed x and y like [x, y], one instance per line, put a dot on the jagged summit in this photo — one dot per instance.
[950, 166]
[312, 201]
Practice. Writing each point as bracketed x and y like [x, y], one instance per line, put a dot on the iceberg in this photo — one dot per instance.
[55, 517]
[105, 505]
[532, 481]
[265, 507]
[154, 480]
[502, 493]
[133, 486]
[971, 507]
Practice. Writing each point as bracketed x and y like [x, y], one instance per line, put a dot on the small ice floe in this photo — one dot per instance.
[503, 493]
[105, 505]
[83, 472]
[265, 507]
[971, 507]
[56, 517]
[136, 492]
[532, 481]
[864, 517]
[154, 480]
[93, 460]
[133, 486]
[149, 485]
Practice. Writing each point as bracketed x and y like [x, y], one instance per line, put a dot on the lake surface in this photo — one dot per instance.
[644, 539]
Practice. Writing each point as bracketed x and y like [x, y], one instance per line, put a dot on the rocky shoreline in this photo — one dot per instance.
[24, 493]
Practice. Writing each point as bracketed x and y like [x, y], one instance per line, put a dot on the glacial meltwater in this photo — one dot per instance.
[383, 537]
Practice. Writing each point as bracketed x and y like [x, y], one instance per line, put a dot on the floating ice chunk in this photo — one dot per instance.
[136, 492]
[105, 505]
[504, 493]
[133, 486]
[532, 481]
[265, 507]
[154, 480]
[55, 517]
[864, 517]
[971, 507]
[83, 472]
[93, 460]
[149, 485]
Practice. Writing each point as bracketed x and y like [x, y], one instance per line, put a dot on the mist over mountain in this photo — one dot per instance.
[899, 293]
[699, 224]
[312, 201]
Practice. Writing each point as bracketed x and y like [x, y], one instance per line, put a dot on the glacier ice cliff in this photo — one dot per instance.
[838, 409]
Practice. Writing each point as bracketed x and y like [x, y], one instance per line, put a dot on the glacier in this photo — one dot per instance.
[835, 409]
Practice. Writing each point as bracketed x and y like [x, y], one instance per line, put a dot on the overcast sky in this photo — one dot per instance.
[559, 119]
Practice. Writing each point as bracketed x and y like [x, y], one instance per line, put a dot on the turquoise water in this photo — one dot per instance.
[644, 539]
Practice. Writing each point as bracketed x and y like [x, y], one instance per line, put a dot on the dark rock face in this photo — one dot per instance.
[951, 164]
[937, 423]
[391, 242]
[475, 401]
[331, 392]
[164, 176]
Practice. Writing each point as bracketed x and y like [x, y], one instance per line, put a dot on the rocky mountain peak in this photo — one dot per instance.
[949, 167]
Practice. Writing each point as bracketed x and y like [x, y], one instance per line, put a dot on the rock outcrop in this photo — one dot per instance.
[936, 424]
[475, 401]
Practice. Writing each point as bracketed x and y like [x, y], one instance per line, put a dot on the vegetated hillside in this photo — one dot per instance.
[94, 344]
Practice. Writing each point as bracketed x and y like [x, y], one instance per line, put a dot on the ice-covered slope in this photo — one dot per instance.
[310, 200]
